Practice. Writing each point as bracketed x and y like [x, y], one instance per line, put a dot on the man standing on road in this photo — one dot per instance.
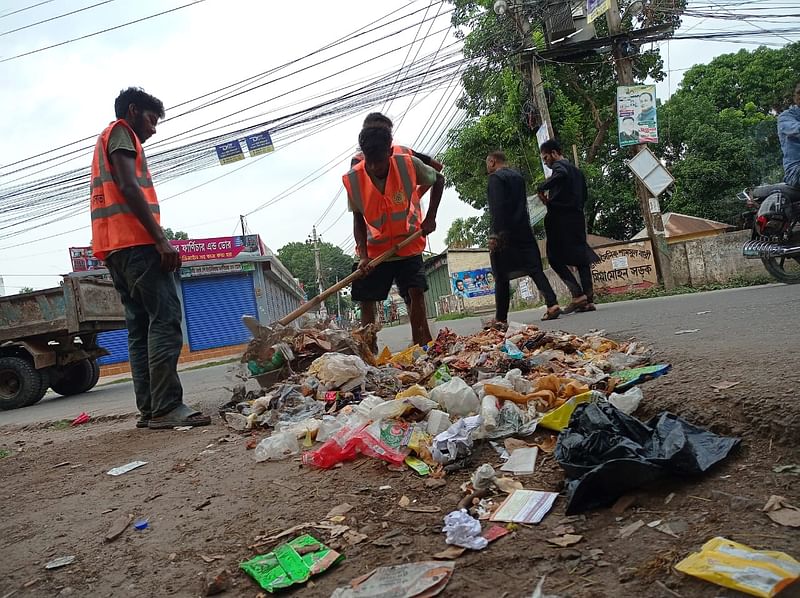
[789, 135]
[512, 247]
[384, 194]
[127, 234]
[564, 194]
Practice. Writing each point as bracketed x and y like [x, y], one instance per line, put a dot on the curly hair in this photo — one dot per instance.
[139, 98]
[376, 119]
[375, 142]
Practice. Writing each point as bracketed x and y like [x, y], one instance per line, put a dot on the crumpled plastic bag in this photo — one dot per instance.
[336, 370]
[511, 421]
[763, 573]
[559, 418]
[627, 402]
[483, 477]
[276, 447]
[463, 530]
[607, 454]
[397, 407]
[454, 445]
[456, 397]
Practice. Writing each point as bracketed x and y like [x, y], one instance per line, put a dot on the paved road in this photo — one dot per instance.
[733, 322]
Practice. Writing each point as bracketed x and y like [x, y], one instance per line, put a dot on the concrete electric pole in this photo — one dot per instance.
[648, 205]
[318, 267]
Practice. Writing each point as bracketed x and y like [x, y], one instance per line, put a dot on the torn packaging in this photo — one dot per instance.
[606, 453]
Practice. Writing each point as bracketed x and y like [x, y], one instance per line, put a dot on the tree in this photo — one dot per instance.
[582, 100]
[468, 232]
[175, 236]
[299, 259]
[719, 131]
[26, 290]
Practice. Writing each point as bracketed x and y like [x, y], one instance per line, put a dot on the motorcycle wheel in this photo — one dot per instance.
[783, 269]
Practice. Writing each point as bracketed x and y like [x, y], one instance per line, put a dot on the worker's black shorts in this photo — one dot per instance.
[408, 273]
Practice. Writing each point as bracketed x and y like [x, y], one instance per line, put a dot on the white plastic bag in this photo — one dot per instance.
[336, 370]
[483, 477]
[518, 383]
[276, 447]
[397, 407]
[463, 530]
[627, 402]
[456, 397]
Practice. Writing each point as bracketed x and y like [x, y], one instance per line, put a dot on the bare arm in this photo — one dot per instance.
[428, 161]
[429, 224]
[360, 235]
[124, 165]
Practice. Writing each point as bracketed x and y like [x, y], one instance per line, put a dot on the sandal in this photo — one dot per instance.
[182, 415]
[575, 306]
[588, 307]
[496, 325]
[552, 315]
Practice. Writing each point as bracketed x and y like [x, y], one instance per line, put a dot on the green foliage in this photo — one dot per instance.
[26, 290]
[299, 259]
[175, 236]
[468, 232]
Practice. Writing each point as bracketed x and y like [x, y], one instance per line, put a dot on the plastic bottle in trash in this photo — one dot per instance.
[489, 412]
[276, 447]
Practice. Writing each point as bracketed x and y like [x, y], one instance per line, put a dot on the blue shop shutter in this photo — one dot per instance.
[116, 343]
[214, 308]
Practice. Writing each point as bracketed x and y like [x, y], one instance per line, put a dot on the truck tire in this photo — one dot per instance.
[21, 384]
[77, 378]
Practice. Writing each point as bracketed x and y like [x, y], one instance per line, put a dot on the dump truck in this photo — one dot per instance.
[48, 339]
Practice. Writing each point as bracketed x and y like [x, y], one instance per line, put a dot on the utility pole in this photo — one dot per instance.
[241, 219]
[651, 215]
[318, 267]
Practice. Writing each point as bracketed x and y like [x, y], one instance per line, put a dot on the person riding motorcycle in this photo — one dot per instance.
[789, 135]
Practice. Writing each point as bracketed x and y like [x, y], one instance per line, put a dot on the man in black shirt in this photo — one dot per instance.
[512, 246]
[564, 194]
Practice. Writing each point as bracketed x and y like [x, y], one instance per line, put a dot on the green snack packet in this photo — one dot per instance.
[418, 465]
[291, 563]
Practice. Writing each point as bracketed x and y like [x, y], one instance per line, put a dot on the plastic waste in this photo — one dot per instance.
[558, 418]
[518, 383]
[455, 444]
[511, 420]
[480, 387]
[606, 453]
[456, 397]
[339, 447]
[276, 447]
[368, 403]
[731, 565]
[415, 390]
[438, 422]
[627, 402]
[299, 429]
[336, 370]
[630, 378]
[512, 350]
[328, 427]
[397, 407]
[623, 361]
[483, 477]
[463, 530]
[440, 376]
[489, 413]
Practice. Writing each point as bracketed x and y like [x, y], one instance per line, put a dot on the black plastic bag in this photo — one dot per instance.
[606, 453]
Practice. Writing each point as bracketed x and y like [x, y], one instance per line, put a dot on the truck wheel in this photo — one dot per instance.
[76, 378]
[95, 374]
[21, 384]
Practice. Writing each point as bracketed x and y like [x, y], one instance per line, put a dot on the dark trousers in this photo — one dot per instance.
[576, 290]
[153, 317]
[502, 291]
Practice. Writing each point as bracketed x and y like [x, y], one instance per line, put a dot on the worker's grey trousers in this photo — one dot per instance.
[153, 316]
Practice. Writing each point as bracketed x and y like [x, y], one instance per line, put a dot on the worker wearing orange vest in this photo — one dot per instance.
[127, 234]
[383, 192]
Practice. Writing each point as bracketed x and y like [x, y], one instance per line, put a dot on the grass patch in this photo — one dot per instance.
[62, 424]
[4, 453]
[654, 292]
[454, 316]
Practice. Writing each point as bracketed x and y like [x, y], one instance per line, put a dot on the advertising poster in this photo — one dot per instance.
[473, 283]
[596, 8]
[636, 114]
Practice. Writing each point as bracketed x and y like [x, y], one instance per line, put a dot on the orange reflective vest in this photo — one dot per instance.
[390, 216]
[114, 226]
[396, 149]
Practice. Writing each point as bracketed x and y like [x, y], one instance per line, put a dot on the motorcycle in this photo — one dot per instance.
[773, 214]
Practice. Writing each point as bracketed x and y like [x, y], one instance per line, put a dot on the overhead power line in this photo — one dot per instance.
[19, 10]
[61, 16]
[96, 33]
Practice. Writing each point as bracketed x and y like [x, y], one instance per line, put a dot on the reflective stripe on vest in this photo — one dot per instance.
[114, 225]
[390, 216]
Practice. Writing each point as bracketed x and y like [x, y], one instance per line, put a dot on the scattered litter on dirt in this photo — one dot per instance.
[126, 468]
[81, 419]
[525, 506]
[731, 565]
[781, 512]
[60, 562]
[690, 331]
[119, 526]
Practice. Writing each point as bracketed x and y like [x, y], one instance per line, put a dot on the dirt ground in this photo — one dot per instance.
[206, 497]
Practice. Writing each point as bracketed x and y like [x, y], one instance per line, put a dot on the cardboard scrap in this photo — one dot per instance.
[724, 385]
[525, 506]
[119, 526]
[565, 540]
[413, 580]
[781, 512]
[339, 510]
[629, 530]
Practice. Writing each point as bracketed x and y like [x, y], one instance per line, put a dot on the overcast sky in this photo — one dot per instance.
[60, 95]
